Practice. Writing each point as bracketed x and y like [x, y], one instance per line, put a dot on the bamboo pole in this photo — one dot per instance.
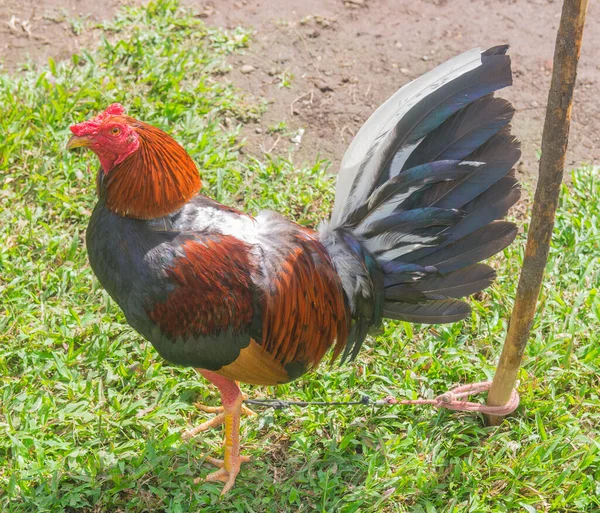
[554, 146]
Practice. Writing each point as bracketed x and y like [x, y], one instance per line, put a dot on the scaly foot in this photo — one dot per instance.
[227, 472]
[215, 421]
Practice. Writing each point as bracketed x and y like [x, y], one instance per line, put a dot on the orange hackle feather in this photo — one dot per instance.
[156, 180]
[305, 312]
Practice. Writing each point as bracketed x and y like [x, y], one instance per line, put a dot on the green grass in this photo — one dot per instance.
[90, 416]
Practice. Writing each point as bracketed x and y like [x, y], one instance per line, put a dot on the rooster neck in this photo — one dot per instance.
[154, 181]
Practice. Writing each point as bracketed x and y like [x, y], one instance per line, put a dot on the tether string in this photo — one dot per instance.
[450, 400]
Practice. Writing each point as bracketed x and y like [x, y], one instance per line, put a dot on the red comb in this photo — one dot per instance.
[91, 126]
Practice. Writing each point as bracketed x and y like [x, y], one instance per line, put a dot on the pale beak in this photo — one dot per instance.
[78, 142]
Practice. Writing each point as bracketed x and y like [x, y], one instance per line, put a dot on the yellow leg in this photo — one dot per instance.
[232, 409]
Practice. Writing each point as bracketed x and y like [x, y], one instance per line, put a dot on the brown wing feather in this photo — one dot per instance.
[213, 289]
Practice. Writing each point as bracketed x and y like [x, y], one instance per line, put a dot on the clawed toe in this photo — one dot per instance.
[217, 420]
[209, 409]
[223, 475]
[221, 463]
[219, 409]
[220, 475]
[214, 422]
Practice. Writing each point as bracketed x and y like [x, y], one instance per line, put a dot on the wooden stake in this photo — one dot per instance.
[554, 147]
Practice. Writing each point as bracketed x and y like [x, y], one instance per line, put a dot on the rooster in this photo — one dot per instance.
[419, 201]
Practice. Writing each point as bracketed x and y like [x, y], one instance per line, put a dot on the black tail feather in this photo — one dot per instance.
[457, 284]
[427, 312]
[464, 132]
[422, 190]
[473, 248]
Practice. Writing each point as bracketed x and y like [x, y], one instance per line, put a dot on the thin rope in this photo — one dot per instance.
[450, 400]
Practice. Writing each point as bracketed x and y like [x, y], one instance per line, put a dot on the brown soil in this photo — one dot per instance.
[34, 30]
[341, 59]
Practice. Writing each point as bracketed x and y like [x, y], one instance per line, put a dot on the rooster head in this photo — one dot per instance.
[146, 173]
[110, 135]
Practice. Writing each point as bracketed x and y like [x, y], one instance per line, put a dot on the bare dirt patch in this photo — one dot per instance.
[325, 65]
[346, 57]
[34, 30]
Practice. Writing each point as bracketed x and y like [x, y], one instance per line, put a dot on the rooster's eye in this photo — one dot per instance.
[115, 130]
